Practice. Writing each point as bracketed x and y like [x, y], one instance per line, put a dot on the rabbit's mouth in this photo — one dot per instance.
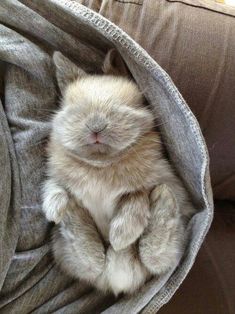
[93, 150]
[99, 155]
[98, 147]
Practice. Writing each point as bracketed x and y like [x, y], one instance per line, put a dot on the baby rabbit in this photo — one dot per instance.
[108, 183]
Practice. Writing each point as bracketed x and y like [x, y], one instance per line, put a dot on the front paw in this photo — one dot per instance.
[54, 206]
[123, 233]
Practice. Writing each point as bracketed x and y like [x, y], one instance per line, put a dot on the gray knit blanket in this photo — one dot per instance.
[30, 31]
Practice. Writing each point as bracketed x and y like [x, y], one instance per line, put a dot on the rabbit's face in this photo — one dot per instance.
[101, 116]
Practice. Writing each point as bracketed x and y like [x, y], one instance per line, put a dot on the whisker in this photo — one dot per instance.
[37, 143]
[143, 91]
[161, 123]
[43, 110]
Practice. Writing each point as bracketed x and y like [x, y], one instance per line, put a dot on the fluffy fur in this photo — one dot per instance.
[109, 185]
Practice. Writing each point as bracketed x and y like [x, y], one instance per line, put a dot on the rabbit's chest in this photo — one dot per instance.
[100, 200]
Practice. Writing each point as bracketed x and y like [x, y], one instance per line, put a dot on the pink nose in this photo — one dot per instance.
[96, 137]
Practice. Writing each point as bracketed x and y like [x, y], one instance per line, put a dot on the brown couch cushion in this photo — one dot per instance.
[210, 286]
[194, 41]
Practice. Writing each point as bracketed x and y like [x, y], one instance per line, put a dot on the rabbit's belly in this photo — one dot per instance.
[101, 204]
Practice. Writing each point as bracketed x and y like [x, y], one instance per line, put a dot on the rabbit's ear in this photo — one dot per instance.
[66, 71]
[114, 64]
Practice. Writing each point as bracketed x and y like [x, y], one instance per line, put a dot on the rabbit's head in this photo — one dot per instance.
[101, 116]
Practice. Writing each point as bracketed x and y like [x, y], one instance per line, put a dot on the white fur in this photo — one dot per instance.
[122, 273]
[100, 201]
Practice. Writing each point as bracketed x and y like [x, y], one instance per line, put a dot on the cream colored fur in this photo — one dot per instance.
[107, 195]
